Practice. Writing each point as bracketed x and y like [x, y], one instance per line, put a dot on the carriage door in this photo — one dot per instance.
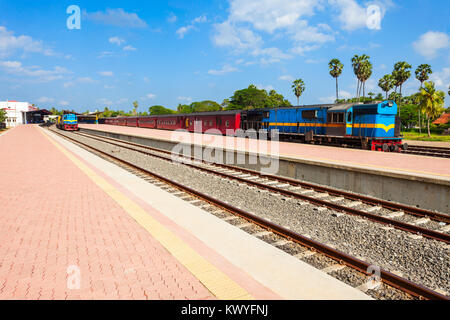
[349, 123]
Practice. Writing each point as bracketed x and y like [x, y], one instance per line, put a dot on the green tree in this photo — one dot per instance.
[431, 101]
[2, 116]
[135, 107]
[184, 108]
[401, 74]
[422, 74]
[336, 67]
[159, 110]
[361, 68]
[409, 115]
[276, 100]
[250, 98]
[299, 87]
[386, 83]
[205, 106]
[365, 74]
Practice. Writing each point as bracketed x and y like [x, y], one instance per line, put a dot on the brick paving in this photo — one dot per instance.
[53, 216]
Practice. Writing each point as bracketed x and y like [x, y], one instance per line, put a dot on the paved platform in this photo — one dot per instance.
[431, 167]
[439, 144]
[74, 226]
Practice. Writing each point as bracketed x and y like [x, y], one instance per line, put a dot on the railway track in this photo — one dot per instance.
[341, 258]
[429, 151]
[323, 196]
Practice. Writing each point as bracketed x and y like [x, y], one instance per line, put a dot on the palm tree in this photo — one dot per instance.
[386, 84]
[422, 74]
[366, 73]
[359, 63]
[335, 71]
[299, 88]
[135, 107]
[401, 73]
[431, 101]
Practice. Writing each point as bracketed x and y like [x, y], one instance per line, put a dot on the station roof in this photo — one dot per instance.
[42, 112]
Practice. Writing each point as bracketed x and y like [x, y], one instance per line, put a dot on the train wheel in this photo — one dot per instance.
[385, 147]
[405, 146]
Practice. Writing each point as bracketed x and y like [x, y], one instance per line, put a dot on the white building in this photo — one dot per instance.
[15, 112]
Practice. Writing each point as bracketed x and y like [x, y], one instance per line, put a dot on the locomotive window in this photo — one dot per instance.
[309, 114]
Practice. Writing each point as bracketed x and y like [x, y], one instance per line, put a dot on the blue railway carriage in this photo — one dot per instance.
[368, 126]
[67, 122]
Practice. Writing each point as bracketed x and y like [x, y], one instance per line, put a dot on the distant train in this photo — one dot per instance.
[367, 126]
[67, 122]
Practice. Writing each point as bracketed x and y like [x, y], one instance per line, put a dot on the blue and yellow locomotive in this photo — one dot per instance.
[67, 122]
[368, 126]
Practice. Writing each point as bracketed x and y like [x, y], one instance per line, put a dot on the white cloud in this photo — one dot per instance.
[151, 96]
[129, 48]
[353, 16]
[116, 17]
[146, 80]
[238, 38]
[116, 40]
[45, 100]
[9, 44]
[269, 15]
[186, 99]
[105, 102]
[82, 80]
[267, 88]
[181, 32]
[441, 79]
[430, 43]
[106, 73]
[286, 78]
[172, 18]
[225, 69]
[16, 68]
[108, 86]
[63, 103]
[250, 20]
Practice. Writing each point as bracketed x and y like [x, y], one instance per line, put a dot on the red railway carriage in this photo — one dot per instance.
[132, 121]
[169, 122]
[222, 121]
[147, 122]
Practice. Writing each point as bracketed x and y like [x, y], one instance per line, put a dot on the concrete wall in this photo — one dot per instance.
[423, 192]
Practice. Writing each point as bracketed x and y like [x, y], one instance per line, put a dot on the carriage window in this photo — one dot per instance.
[329, 117]
[309, 114]
[341, 118]
[227, 124]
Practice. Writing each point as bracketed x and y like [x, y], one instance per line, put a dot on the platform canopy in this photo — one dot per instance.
[36, 116]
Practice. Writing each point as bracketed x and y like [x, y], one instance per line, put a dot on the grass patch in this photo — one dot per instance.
[424, 136]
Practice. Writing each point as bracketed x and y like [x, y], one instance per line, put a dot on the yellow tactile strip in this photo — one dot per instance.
[219, 284]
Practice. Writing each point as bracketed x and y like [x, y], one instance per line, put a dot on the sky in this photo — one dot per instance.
[179, 51]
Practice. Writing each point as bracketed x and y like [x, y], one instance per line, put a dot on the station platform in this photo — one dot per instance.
[413, 165]
[74, 226]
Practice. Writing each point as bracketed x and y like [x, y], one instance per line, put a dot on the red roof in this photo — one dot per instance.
[445, 118]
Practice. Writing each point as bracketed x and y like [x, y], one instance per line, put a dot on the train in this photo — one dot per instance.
[67, 122]
[370, 126]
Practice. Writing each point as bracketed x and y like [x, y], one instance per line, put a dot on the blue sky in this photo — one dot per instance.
[171, 52]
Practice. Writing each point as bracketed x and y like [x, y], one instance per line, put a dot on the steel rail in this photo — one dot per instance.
[347, 195]
[387, 277]
[323, 203]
